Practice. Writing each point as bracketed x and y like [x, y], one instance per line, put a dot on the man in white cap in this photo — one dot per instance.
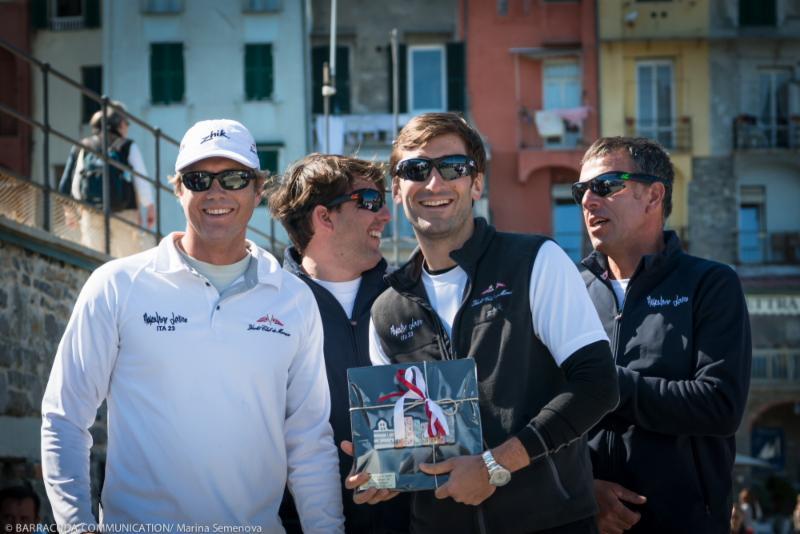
[209, 356]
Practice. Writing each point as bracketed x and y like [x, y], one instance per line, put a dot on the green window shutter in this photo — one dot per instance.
[91, 16]
[268, 159]
[157, 92]
[166, 73]
[402, 88]
[91, 77]
[340, 103]
[176, 72]
[342, 98]
[39, 17]
[319, 55]
[258, 73]
[456, 77]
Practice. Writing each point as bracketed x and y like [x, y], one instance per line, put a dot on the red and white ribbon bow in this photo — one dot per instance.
[414, 382]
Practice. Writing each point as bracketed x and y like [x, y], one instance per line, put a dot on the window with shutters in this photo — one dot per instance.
[258, 71]
[91, 77]
[455, 83]
[340, 102]
[166, 73]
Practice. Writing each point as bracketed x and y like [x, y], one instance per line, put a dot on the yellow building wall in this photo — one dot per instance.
[626, 19]
[691, 82]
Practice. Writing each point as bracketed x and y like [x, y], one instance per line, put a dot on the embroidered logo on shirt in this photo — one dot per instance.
[491, 293]
[405, 331]
[658, 302]
[269, 323]
[162, 322]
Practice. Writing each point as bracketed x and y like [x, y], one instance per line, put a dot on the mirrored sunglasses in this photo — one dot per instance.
[610, 183]
[449, 167]
[365, 199]
[232, 180]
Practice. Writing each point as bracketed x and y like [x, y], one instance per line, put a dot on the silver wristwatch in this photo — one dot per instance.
[498, 475]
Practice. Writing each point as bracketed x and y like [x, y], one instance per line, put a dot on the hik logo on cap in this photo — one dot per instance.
[213, 134]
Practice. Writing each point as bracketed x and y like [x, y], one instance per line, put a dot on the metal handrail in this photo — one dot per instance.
[105, 102]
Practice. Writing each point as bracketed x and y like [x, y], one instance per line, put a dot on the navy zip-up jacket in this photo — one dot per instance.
[681, 343]
[346, 345]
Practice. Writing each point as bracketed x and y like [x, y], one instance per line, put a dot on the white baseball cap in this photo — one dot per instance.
[222, 138]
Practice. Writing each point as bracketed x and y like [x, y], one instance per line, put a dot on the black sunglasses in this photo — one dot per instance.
[366, 199]
[450, 167]
[232, 180]
[609, 183]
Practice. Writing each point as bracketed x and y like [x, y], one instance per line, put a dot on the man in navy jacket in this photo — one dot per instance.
[333, 210]
[680, 337]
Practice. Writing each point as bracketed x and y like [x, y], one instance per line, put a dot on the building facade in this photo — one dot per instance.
[742, 206]
[532, 79]
[431, 77]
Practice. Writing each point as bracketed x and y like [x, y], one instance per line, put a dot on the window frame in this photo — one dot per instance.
[441, 48]
[672, 128]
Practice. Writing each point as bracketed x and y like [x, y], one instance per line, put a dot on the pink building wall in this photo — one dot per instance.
[499, 82]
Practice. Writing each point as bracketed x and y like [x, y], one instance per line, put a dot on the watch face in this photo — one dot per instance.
[500, 477]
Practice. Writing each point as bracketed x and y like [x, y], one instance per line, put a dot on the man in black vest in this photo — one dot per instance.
[681, 341]
[516, 305]
[333, 210]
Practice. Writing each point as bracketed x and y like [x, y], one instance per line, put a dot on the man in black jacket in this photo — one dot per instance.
[517, 306]
[333, 210]
[680, 336]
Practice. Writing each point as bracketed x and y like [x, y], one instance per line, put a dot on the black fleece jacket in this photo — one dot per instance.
[523, 392]
[346, 345]
[682, 348]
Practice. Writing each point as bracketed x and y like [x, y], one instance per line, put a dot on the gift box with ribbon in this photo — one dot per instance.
[407, 414]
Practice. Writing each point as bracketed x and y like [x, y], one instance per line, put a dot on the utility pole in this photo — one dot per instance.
[329, 79]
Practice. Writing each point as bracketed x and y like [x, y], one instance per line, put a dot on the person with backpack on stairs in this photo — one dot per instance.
[83, 180]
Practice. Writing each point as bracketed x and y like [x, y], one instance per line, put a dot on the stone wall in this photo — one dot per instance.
[713, 209]
[37, 294]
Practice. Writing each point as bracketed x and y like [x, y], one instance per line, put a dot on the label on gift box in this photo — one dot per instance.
[407, 414]
[380, 481]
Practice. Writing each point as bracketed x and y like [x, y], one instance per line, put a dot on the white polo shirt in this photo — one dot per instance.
[212, 399]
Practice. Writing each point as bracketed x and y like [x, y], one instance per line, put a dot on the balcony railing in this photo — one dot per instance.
[673, 134]
[769, 247]
[751, 133]
[60, 24]
[776, 366]
[552, 129]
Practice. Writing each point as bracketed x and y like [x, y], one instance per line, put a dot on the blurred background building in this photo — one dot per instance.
[717, 82]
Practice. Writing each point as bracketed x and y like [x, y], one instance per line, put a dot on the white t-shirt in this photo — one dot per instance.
[344, 292]
[619, 287]
[564, 318]
[445, 293]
